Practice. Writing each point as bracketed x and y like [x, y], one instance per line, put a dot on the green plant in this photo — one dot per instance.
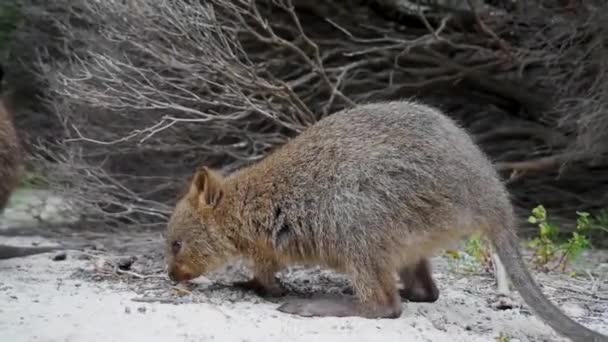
[479, 250]
[546, 246]
[9, 19]
[32, 180]
[600, 221]
[476, 254]
[549, 251]
[502, 337]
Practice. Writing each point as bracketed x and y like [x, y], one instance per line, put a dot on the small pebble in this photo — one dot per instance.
[60, 257]
[126, 263]
[574, 310]
[503, 303]
[98, 247]
[347, 291]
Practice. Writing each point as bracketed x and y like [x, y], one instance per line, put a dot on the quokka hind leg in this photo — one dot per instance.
[264, 283]
[502, 279]
[376, 297]
[418, 283]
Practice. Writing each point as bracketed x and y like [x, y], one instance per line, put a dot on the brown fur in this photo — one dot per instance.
[368, 191]
[11, 161]
[10, 156]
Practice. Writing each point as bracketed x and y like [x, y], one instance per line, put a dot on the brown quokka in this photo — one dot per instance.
[11, 161]
[368, 191]
[10, 153]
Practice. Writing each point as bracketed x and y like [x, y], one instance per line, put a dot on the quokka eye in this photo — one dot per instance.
[176, 246]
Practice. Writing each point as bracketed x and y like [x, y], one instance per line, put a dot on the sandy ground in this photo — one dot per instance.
[116, 290]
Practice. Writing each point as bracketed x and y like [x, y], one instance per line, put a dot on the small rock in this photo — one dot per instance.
[347, 291]
[127, 310]
[102, 264]
[98, 247]
[126, 263]
[503, 303]
[141, 309]
[60, 256]
[574, 310]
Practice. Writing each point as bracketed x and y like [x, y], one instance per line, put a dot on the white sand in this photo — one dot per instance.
[46, 300]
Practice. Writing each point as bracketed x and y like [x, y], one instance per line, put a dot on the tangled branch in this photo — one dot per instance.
[146, 90]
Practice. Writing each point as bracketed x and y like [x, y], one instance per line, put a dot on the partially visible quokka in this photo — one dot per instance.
[368, 191]
[11, 161]
[10, 152]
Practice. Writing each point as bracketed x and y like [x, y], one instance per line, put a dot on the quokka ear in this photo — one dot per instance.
[207, 187]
